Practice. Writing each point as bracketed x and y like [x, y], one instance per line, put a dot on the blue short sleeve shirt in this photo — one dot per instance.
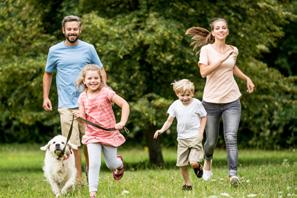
[67, 62]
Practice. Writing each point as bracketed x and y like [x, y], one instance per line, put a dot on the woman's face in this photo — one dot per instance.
[220, 30]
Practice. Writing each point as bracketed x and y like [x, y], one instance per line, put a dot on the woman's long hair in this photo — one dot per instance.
[201, 36]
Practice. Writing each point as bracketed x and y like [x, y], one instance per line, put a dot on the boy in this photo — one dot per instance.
[191, 119]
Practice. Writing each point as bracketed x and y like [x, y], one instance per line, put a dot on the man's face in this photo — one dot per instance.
[71, 31]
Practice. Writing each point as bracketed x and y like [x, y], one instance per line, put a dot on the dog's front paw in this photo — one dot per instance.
[57, 195]
[64, 191]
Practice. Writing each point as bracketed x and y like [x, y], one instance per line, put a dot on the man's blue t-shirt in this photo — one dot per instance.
[68, 61]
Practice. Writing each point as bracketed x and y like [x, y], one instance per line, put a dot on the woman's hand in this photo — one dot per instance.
[227, 54]
[250, 85]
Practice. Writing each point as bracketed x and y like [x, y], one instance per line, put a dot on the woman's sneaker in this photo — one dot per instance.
[234, 181]
[207, 174]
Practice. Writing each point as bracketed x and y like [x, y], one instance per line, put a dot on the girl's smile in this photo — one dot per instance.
[92, 80]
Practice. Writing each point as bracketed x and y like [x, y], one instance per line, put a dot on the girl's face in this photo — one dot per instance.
[92, 80]
[220, 30]
[186, 97]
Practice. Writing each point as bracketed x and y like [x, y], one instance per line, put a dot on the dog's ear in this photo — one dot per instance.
[43, 148]
[75, 147]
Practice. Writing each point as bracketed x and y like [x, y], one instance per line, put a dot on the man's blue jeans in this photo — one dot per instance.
[230, 114]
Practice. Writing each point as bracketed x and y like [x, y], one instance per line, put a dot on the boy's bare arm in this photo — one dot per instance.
[165, 126]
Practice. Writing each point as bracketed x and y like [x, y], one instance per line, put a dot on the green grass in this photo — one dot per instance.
[263, 174]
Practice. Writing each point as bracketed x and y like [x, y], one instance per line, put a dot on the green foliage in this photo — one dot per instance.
[144, 49]
[283, 55]
[270, 113]
[22, 116]
[20, 31]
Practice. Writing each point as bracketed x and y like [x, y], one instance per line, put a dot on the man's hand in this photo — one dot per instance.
[47, 104]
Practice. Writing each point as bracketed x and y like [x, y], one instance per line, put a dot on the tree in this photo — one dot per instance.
[144, 49]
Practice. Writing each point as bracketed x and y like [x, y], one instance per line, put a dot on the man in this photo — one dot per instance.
[67, 59]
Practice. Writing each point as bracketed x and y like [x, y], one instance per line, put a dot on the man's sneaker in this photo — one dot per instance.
[234, 181]
[207, 174]
[187, 187]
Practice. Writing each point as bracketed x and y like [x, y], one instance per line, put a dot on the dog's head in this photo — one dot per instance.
[56, 146]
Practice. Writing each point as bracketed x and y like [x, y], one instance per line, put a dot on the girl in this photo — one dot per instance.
[95, 105]
[221, 96]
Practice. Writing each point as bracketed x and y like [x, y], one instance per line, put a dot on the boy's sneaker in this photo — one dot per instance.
[207, 174]
[186, 187]
[198, 171]
[118, 173]
[234, 181]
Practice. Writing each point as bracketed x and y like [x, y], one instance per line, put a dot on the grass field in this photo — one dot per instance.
[263, 174]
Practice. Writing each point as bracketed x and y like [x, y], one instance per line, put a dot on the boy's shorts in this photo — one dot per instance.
[189, 151]
[78, 129]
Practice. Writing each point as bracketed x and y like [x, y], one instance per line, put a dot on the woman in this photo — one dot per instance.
[221, 96]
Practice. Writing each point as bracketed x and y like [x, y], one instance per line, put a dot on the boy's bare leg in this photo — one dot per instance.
[185, 174]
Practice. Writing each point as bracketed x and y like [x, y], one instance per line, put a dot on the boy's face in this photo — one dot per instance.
[185, 97]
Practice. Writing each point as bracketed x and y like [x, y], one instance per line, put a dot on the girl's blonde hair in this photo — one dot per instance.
[89, 67]
[201, 36]
[183, 86]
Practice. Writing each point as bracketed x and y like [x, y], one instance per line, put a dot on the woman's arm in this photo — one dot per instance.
[249, 83]
[207, 69]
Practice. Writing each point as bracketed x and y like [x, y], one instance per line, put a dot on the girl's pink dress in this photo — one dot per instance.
[98, 110]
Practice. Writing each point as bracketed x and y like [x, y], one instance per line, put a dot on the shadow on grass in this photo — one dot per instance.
[143, 165]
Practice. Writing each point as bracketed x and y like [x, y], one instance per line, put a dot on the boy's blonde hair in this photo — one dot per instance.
[89, 67]
[183, 86]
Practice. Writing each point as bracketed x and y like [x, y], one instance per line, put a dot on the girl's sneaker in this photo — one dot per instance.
[92, 194]
[234, 181]
[207, 174]
[118, 173]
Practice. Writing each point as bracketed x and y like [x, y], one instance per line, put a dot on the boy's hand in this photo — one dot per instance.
[200, 136]
[157, 133]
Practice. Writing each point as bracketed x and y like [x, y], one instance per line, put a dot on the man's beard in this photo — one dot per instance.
[72, 41]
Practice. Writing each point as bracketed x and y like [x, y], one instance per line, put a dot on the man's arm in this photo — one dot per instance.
[103, 75]
[47, 81]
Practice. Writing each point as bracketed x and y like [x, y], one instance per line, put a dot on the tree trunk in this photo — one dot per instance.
[155, 152]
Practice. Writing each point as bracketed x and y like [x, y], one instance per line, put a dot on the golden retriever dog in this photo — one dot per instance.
[59, 167]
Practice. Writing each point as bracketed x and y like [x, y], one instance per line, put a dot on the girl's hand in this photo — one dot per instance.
[250, 85]
[157, 133]
[119, 125]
